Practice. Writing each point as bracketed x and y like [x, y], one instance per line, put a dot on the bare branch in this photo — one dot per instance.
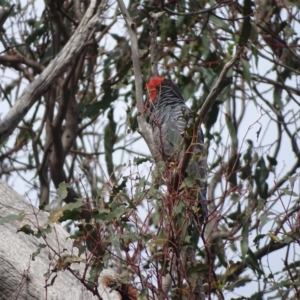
[276, 83]
[6, 60]
[67, 111]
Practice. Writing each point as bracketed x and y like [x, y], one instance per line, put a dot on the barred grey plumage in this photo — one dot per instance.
[169, 119]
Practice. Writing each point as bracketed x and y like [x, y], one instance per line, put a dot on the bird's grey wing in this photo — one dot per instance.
[173, 129]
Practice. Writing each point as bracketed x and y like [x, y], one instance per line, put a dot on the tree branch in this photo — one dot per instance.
[67, 56]
[7, 60]
[78, 13]
[264, 79]
[191, 141]
[221, 83]
[144, 127]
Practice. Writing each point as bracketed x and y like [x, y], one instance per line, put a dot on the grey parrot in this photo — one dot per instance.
[171, 120]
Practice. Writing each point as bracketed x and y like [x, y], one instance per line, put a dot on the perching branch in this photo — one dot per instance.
[58, 65]
[144, 127]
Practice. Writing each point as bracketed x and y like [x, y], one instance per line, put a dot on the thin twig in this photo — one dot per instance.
[264, 79]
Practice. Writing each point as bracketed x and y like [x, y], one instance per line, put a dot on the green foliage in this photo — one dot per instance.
[246, 70]
[66, 212]
[252, 263]
[245, 239]
[38, 251]
[26, 229]
[261, 175]
[39, 31]
[258, 237]
[140, 160]
[92, 109]
[109, 142]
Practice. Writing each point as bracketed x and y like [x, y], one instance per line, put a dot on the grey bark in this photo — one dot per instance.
[20, 276]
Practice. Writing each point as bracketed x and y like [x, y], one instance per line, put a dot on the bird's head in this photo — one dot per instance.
[152, 84]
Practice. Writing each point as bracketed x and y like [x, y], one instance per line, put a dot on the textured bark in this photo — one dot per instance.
[20, 276]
